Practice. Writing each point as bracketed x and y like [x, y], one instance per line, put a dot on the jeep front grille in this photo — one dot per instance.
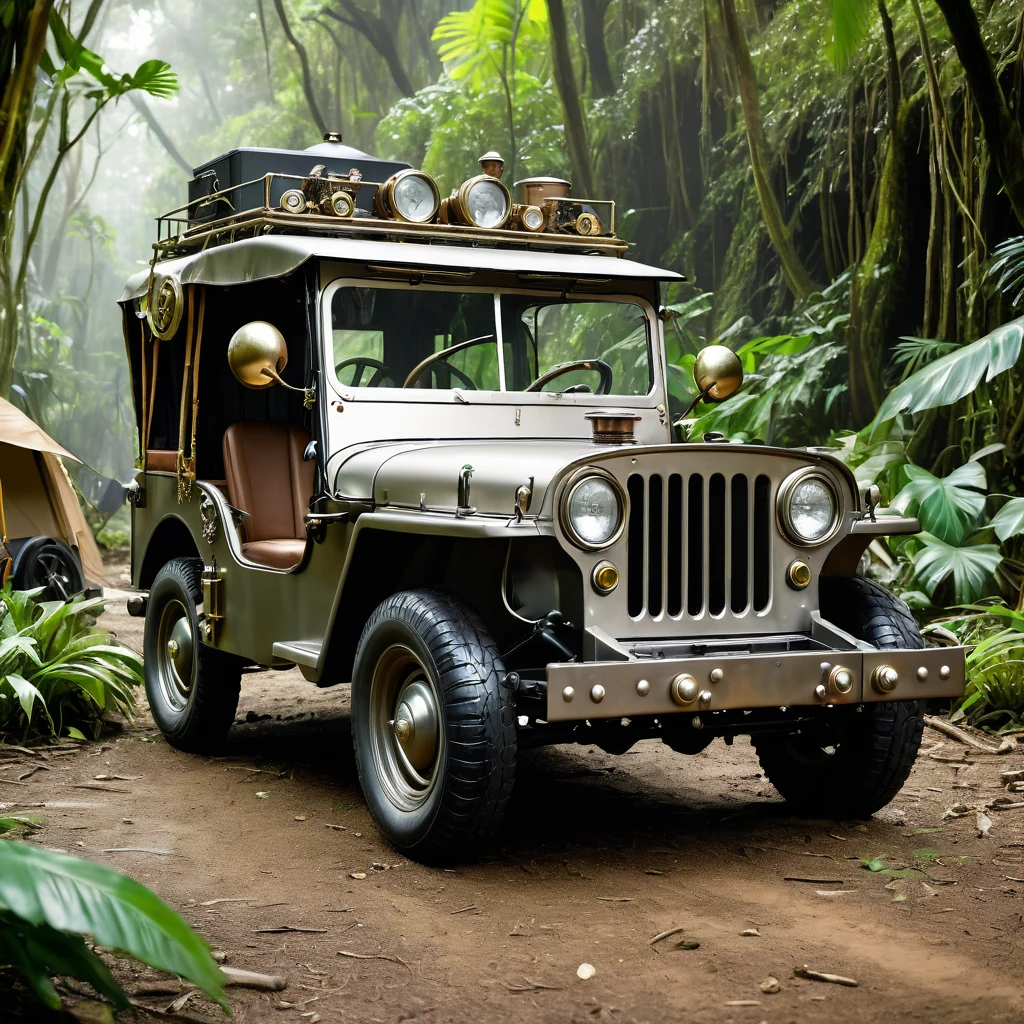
[698, 545]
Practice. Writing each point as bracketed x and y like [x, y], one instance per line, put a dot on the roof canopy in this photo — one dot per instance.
[257, 259]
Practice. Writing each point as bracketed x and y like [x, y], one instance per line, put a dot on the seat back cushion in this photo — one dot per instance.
[268, 479]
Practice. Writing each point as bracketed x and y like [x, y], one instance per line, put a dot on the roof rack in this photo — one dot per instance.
[184, 229]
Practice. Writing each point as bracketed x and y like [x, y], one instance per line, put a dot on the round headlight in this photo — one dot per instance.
[808, 507]
[409, 195]
[592, 512]
[531, 218]
[484, 202]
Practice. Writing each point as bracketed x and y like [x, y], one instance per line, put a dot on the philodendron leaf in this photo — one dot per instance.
[72, 895]
[1009, 520]
[951, 377]
[972, 566]
[947, 506]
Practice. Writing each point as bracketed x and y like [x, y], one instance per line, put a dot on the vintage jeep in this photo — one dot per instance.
[423, 445]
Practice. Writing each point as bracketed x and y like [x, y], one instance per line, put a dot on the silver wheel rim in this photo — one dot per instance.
[175, 656]
[406, 731]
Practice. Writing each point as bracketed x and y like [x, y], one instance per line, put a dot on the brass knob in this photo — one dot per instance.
[885, 678]
[684, 689]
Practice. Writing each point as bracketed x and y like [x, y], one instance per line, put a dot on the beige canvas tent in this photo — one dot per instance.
[39, 513]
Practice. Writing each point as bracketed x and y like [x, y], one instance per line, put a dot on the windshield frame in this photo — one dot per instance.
[501, 397]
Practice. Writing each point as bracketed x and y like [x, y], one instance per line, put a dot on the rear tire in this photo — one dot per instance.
[192, 689]
[48, 563]
[857, 759]
[433, 726]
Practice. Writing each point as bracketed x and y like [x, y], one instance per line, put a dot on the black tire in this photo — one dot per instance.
[48, 563]
[859, 758]
[418, 646]
[194, 696]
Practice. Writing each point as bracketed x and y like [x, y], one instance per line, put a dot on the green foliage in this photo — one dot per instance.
[971, 566]
[953, 376]
[947, 506]
[57, 671]
[471, 40]
[994, 695]
[851, 20]
[1007, 269]
[48, 900]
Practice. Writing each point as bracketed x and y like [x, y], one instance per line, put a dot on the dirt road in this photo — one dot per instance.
[598, 855]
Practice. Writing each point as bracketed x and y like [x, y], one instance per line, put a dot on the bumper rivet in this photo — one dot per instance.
[597, 693]
[944, 672]
[704, 700]
[922, 673]
[684, 689]
[568, 693]
[643, 688]
[885, 678]
[841, 679]
[821, 691]
[717, 675]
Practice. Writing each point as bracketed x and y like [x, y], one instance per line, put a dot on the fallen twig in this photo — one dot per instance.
[35, 768]
[12, 782]
[941, 725]
[472, 906]
[139, 849]
[835, 979]
[813, 881]
[250, 979]
[101, 787]
[288, 928]
[616, 899]
[374, 956]
[665, 935]
[230, 899]
[532, 986]
[338, 828]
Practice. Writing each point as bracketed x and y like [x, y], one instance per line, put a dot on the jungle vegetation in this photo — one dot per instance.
[842, 182]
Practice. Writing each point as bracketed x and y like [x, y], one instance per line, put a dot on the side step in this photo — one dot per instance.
[302, 652]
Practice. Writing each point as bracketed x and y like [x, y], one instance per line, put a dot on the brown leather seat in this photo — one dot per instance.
[268, 479]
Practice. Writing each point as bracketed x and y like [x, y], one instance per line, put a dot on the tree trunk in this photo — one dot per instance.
[381, 34]
[880, 280]
[1002, 132]
[797, 278]
[565, 83]
[28, 29]
[601, 80]
[162, 137]
[307, 78]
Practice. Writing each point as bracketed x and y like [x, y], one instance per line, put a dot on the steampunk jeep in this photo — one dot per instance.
[423, 444]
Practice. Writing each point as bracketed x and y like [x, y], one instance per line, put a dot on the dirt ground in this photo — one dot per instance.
[597, 856]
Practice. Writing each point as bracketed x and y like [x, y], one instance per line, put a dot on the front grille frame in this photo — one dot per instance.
[666, 611]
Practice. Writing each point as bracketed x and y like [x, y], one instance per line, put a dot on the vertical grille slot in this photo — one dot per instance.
[695, 545]
[674, 546]
[716, 544]
[655, 544]
[762, 542]
[740, 540]
[636, 545]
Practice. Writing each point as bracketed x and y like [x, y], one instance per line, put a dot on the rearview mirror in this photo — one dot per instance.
[717, 372]
[257, 354]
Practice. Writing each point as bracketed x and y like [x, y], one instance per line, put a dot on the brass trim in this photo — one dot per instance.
[458, 203]
[782, 510]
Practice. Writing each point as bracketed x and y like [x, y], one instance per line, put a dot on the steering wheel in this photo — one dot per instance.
[363, 362]
[442, 356]
[464, 379]
[604, 387]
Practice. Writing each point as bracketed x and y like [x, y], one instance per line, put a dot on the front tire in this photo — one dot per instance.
[857, 759]
[433, 726]
[192, 689]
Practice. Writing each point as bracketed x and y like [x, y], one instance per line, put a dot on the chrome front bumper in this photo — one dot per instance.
[623, 689]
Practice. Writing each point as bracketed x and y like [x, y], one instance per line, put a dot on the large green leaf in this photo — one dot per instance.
[1008, 267]
[1009, 520]
[74, 895]
[972, 566]
[39, 952]
[851, 20]
[947, 506]
[951, 377]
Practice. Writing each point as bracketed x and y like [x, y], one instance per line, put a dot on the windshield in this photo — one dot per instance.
[443, 339]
